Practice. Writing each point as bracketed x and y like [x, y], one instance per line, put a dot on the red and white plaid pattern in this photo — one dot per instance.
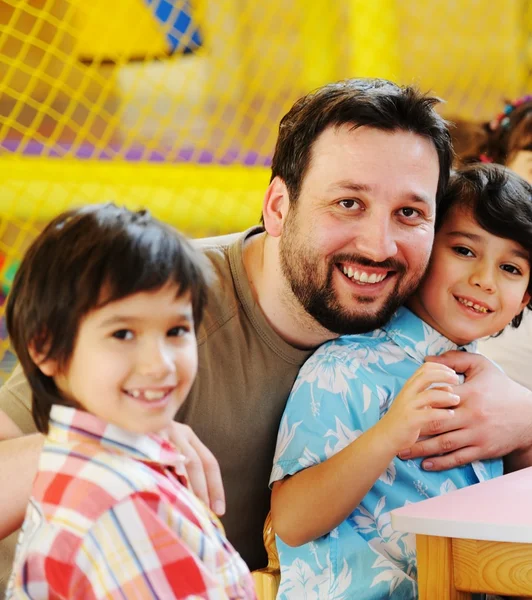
[110, 518]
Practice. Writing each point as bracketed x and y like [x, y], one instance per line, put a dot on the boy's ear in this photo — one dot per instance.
[524, 303]
[48, 366]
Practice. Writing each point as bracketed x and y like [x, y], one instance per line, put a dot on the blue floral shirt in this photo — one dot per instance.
[342, 391]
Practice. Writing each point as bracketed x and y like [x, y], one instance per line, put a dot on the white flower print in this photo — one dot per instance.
[343, 436]
[327, 370]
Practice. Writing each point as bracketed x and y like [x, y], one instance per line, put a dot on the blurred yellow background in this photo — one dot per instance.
[174, 104]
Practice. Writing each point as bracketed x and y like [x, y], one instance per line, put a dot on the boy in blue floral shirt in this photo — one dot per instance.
[360, 400]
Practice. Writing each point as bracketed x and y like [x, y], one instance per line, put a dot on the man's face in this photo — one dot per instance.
[357, 242]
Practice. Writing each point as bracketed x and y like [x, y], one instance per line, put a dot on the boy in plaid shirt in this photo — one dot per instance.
[102, 315]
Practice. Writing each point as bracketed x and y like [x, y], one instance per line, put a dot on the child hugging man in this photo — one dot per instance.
[362, 399]
[102, 316]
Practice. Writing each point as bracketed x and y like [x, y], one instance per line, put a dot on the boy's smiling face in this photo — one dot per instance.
[476, 282]
[134, 360]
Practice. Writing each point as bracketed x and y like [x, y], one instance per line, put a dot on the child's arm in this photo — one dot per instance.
[314, 501]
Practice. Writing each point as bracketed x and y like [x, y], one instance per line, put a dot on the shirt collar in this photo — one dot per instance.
[68, 424]
[418, 339]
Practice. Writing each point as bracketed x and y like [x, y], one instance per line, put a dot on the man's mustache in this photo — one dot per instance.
[390, 264]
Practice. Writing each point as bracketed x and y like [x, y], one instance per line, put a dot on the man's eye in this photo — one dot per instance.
[463, 251]
[123, 334]
[349, 203]
[409, 212]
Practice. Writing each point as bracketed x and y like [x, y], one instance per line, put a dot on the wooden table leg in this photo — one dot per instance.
[435, 569]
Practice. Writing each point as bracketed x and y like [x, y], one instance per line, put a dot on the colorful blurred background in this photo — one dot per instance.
[174, 105]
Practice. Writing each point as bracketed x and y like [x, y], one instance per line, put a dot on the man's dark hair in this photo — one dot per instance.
[498, 199]
[376, 103]
[84, 259]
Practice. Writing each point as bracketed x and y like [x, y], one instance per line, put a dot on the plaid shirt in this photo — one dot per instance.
[110, 518]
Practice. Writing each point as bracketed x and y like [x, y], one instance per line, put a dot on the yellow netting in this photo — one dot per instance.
[174, 104]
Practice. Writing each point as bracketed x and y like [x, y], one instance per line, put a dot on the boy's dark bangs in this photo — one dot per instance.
[143, 263]
[505, 214]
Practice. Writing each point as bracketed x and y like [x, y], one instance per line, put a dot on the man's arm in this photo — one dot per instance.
[19, 453]
[19, 458]
[493, 419]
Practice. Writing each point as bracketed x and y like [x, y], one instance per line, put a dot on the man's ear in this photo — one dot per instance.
[48, 366]
[275, 207]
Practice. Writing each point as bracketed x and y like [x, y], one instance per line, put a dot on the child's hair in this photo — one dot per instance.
[498, 140]
[500, 202]
[84, 259]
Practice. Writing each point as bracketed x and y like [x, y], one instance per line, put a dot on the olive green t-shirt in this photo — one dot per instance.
[246, 372]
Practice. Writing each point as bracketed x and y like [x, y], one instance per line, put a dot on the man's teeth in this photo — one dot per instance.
[148, 394]
[476, 307]
[362, 276]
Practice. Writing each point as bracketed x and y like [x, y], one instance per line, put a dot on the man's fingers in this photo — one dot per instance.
[212, 477]
[455, 459]
[201, 467]
[433, 446]
[194, 471]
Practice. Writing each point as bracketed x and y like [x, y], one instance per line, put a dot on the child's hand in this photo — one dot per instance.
[417, 405]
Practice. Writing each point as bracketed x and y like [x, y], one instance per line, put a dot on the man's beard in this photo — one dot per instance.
[320, 300]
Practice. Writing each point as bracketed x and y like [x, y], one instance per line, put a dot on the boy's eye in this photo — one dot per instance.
[123, 334]
[463, 251]
[179, 331]
[511, 269]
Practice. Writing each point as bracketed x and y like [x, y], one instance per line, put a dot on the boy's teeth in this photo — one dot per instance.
[148, 394]
[362, 276]
[470, 304]
[154, 394]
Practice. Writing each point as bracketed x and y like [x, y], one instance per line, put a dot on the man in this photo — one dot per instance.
[348, 229]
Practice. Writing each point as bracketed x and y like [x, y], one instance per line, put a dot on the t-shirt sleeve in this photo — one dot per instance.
[15, 401]
[332, 402]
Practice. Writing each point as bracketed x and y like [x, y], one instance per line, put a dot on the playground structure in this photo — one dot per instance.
[173, 105]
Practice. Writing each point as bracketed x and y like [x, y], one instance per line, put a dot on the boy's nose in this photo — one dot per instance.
[156, 361]
[484, 279]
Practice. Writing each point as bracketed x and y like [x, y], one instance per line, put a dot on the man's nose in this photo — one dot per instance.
[376, 240]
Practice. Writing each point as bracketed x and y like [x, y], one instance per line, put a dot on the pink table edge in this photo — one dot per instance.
[496, 510]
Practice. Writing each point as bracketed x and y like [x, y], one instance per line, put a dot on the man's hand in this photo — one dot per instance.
[200, 466]
[494, 417]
